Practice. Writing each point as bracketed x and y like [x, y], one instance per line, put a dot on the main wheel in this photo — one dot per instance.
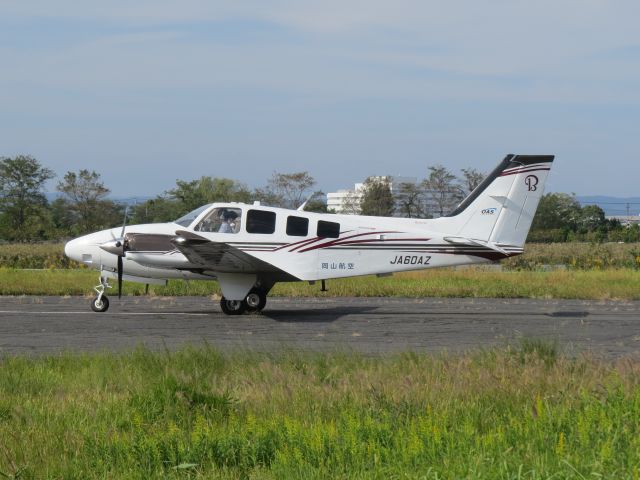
[256, 300]
[233, 307]
[100, 304]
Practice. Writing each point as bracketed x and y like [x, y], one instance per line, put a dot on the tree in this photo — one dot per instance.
[316, 203]
[159, 209]
[557, 211]
[411, 199]
[592, 218]
[23, 214]
[62, 218]
[292, 188]
[85, 196]
[471, 179]
[206, 189]
[441, 186]
[351, 204]
[377, 199]
[266, 196]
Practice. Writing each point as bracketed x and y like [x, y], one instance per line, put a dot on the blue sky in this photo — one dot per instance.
[148, 92]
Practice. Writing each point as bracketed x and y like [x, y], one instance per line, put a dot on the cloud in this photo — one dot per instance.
[282, 79]
[543, 50]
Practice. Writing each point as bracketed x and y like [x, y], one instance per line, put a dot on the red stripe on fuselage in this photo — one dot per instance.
[339, 240]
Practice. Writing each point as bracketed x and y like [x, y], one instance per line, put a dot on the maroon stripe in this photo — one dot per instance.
[506, 174]
[300, 243]
[513, 169]
[369, 240]
[338, 240]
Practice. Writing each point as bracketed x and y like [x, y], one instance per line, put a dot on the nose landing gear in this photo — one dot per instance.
[101, 302]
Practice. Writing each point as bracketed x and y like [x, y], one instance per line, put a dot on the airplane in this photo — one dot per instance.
[249, 248]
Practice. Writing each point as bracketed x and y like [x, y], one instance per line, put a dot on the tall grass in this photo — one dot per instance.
[572, 284]
[197, 413]
[34, 255]
[574, 255]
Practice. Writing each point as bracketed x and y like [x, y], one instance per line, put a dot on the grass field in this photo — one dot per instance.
[537, 256]
[573, 284]
[525, 413]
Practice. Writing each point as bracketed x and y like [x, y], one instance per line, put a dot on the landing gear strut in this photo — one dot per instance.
[101, 302]
[255, 301]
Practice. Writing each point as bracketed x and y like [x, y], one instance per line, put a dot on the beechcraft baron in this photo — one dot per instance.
[249, 248]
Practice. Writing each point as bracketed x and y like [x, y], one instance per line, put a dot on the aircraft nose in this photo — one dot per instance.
[73, 249]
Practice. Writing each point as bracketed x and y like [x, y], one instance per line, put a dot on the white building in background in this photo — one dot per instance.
[625, 219]
[344, 201]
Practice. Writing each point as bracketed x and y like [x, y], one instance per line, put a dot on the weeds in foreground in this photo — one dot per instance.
[198, 413]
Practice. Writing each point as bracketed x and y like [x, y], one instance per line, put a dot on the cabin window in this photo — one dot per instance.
[328, 229]
[221, 220]
[297, 226]
[261, 221]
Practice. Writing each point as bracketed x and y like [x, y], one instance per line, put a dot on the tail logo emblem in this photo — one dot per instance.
[532, 182]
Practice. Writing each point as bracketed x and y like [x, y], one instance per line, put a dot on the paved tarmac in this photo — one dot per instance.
[42, 325]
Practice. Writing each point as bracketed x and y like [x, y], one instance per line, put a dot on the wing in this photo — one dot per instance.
[221, 257]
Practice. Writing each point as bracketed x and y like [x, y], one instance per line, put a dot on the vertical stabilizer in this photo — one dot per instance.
[501, 209]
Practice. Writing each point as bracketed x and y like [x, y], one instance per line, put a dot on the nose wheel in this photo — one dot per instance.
[101, 302]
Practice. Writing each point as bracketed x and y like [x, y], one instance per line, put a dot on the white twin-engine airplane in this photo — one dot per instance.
[249, 248]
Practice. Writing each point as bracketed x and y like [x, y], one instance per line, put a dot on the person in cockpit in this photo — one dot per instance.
[228, 219]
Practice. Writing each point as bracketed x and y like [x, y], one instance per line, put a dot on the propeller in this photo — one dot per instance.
[120, 267]
[118, 246]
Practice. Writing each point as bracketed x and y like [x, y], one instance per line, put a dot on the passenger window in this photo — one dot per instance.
[261, 221]
[297, 226]
[328, 229]
[221, 220]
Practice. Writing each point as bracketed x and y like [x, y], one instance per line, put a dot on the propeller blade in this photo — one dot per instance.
[119, 276]
[124, 222]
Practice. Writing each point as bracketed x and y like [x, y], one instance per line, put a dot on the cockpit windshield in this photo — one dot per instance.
[188, 219]
[221, 220]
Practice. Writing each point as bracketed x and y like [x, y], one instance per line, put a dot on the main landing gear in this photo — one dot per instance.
[255, 301]
[101, 302]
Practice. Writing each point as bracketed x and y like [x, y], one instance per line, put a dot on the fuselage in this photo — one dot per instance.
[309, 246]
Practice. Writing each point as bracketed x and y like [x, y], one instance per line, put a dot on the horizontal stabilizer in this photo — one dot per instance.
[478, 243]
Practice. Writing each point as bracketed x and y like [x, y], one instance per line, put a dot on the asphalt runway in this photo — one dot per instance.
[42, 325]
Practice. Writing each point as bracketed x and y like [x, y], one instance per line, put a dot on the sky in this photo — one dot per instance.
[148, 92]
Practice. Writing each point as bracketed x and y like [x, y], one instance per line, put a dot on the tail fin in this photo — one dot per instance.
[500, 210]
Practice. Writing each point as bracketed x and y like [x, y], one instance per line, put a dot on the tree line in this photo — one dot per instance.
[83, 205]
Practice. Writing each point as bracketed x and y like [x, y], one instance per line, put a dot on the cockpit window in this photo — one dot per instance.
[188, 219]
[221, 220]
